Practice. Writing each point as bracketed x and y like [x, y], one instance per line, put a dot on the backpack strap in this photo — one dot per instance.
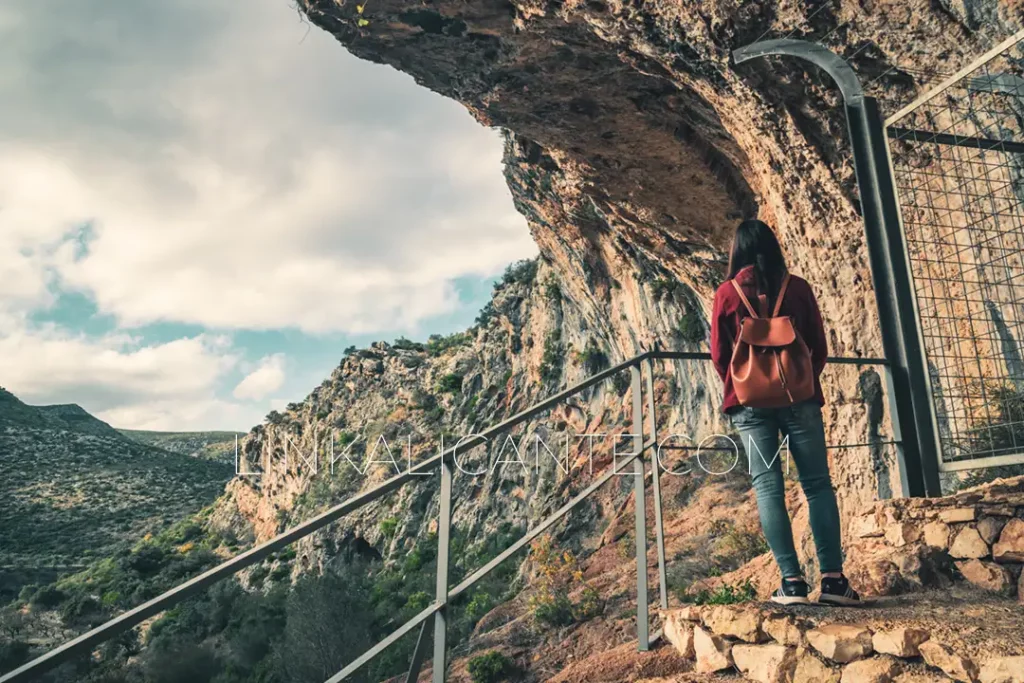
[782, 293]
[744, 299]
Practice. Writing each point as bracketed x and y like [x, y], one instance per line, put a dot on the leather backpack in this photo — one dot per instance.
[771, 365]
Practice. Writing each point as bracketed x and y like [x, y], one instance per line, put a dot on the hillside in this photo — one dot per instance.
[219, 446]
[73, 488]
[68, 417]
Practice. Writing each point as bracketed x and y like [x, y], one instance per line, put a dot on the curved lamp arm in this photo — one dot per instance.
[834, 65]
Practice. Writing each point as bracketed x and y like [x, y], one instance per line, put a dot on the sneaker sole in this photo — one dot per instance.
[790, 600]
[841, 600]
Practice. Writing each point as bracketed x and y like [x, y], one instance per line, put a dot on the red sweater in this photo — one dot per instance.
[728, 310]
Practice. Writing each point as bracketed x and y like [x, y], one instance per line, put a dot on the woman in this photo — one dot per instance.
[758, 267]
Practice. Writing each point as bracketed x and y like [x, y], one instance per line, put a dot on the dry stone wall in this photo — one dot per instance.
[977, 534]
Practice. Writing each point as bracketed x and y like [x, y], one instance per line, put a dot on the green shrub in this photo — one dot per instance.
[388, 526]
[741, 545]
[28, 592]
[522, 272]
[554, 610]
[663, 287]
[407, 345]
[481, 604]
[438, 344]
[691, 329]
[725, 594]
[486, 314]
[12, 654]
[552, 292]
[48, 596]
[490, 668]
[450, 383]
[553, 357]
[592, 358]
[588, 606]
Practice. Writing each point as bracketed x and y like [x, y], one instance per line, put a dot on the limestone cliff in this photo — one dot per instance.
[633, 148]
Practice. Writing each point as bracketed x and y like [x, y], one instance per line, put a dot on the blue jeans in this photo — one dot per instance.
[801, 424]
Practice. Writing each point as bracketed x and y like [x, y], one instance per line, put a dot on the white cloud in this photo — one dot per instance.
[263, 381]
[220, 164]
[161, 386]
[237, 174]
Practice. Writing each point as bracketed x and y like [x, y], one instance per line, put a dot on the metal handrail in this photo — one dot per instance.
[86, 642]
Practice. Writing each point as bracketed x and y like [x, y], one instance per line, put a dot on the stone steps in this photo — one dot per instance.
[882, 644]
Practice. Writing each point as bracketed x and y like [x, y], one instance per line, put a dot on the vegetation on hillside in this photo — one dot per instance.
[219, 446]
[272, 631]
[67, 496]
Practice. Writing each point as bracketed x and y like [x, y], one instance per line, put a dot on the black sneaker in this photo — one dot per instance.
[838, 592]
[791, 593]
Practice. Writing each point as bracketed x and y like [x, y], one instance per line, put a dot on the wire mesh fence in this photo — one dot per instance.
[958, 162]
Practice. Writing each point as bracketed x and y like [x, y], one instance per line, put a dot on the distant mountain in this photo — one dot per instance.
[219, 446]
[73, 488]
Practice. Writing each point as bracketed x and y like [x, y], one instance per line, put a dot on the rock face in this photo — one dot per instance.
[810, 669]
[785, 629]
[634, 146]
[936, 534]
[968, 544]
[897, 642]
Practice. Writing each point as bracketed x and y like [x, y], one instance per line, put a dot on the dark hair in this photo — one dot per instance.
[755, 244]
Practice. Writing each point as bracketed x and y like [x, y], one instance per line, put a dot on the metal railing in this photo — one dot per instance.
[438, 610]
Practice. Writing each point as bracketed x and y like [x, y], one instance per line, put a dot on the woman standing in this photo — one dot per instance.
[759, 268]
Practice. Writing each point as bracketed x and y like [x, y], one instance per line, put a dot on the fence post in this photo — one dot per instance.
[897, 304]
[659, 527]
[887, 252]
[639, 505]
[444, 524]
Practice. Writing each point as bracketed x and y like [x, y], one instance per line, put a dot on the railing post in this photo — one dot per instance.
[659, 527]
[639, 504]
[444, 523]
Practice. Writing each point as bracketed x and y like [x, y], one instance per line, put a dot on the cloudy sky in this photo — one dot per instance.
[203, 202]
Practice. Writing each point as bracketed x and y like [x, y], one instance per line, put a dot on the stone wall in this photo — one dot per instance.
[906, 544]
[772, 645]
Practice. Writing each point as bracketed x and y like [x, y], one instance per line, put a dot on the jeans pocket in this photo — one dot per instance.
[807, 409]
[741, 416]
